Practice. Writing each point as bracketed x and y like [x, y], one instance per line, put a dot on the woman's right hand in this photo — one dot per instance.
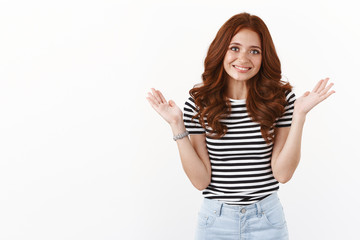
[167, 110]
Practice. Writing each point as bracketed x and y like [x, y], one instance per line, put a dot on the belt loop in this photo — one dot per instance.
[258, 210]
[218, 208]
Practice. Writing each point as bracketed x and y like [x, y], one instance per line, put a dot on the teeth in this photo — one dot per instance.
[241, 68]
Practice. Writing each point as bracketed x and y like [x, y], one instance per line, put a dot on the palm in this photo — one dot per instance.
[310, 99]
[167, 110]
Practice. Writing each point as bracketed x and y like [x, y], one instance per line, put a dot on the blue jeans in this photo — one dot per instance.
[259, 221]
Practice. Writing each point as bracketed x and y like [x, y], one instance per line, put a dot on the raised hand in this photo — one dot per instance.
[167, 110]
[310, 99]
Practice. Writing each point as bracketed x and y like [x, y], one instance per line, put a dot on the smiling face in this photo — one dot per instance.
[243, 57]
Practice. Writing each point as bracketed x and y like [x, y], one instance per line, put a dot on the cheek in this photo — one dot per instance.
[257, 62]
[226, 63]
[229, 58]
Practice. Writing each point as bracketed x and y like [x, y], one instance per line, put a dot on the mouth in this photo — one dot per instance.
[241, 69]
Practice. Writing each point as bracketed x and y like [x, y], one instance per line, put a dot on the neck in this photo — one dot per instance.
[236, 89]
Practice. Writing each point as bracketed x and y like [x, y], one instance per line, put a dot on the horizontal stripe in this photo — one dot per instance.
[241, 159]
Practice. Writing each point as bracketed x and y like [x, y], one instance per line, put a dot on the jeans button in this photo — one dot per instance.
[243, 210]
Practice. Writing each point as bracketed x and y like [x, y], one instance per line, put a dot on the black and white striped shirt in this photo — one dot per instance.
[240, 160]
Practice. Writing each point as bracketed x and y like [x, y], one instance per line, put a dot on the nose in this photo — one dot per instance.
[243, 57]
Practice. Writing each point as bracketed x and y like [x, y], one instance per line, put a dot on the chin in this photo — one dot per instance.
[242, 79]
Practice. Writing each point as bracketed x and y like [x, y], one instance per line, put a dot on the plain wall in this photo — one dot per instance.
[84, 156]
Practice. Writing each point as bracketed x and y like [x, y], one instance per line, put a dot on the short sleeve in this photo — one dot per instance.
[192, 126]
[286, 119]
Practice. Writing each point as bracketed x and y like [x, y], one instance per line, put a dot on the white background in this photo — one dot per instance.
[84, 156]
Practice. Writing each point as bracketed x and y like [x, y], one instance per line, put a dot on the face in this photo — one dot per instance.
[243, 57]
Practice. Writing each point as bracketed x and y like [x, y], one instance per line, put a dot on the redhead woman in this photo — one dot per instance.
[240, 133]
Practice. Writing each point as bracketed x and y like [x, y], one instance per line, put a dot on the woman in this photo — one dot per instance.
[245, 133]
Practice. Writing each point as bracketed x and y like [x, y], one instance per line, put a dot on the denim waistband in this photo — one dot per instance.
[218, 206]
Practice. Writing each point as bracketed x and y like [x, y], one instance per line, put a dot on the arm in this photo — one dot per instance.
[287, 145]
[193, 154]
[194, 157]
[287, 149]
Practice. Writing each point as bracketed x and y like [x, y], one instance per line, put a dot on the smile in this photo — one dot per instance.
[242, 68]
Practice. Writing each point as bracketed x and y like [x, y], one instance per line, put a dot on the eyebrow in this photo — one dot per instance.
[235, 43]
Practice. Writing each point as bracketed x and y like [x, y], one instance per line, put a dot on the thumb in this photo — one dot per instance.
[171, 103]
[306, 93]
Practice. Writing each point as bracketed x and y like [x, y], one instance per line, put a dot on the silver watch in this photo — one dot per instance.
[181, 135]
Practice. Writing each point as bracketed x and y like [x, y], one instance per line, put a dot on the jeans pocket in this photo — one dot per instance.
[205, 219]
[274, 216]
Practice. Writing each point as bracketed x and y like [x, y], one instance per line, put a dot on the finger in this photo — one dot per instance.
[152, 101]
[323, 84]
[317, 86]
[325, 90]
[328, 94]
[153, 98]
[156, 95]
[161, 96]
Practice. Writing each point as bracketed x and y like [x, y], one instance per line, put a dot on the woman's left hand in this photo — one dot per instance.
[310, 99]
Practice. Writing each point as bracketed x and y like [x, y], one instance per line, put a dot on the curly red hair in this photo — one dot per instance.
[266, 98]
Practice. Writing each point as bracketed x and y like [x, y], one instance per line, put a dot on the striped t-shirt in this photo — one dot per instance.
[240, 160]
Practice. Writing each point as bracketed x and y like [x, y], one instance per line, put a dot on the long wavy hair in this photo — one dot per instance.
[266, 96]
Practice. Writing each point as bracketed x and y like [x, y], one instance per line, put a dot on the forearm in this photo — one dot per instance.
[289, 157]
[193, 166]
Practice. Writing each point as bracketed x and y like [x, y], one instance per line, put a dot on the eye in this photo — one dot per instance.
[236, 48]
[255, 51]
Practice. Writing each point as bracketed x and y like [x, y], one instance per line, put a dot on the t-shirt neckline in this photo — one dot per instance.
[237, 100]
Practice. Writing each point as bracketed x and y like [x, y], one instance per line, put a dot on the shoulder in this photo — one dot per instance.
[290, 95]
[190, 104]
